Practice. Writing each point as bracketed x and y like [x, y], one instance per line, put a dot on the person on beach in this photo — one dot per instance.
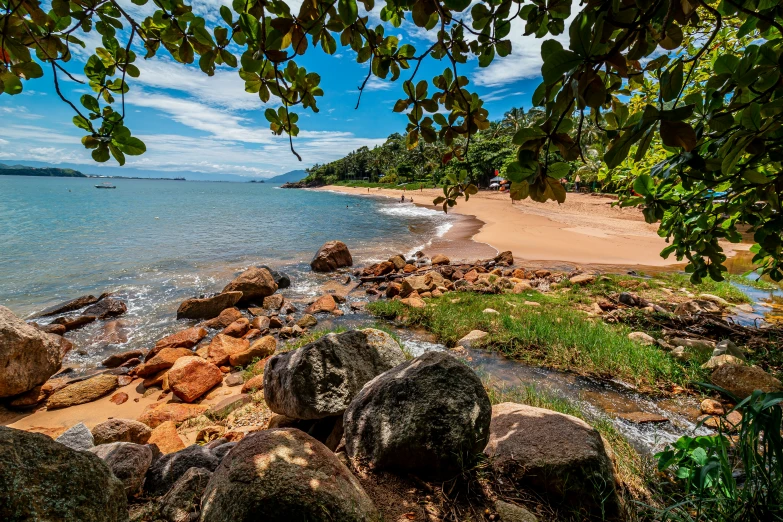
[402, 199]
[577, 180]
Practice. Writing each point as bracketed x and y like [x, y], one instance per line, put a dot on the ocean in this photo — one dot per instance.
[155, 243]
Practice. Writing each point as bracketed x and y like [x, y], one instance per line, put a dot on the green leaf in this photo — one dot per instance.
[520, 191]
[81, 122]
[348, 11]
[671, 82]
[726, 64]
[101, 154]
[755, 177]
[225, 14]
[29, 70]
[751, 117]
[557, 64]
[117, 154]
[11, 84]
[558, 170]
[643, 185]
[527, 133]
[457, 5]
[132, 146]
[678, 134]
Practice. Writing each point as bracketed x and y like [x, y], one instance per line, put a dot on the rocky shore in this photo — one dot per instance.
[249, 412]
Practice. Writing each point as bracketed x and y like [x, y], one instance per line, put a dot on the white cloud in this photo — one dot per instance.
[500, 94]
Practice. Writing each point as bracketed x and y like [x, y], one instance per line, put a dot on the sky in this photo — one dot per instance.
[210, 127]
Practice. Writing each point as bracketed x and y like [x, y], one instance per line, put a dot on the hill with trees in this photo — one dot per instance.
[24, 170]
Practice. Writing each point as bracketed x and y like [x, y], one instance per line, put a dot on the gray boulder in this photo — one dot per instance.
[320, 379]
[107, 308]
[169, 468]
[429, 415]
[555, 454]
[77, 437]
[41, 479]
[128, 461]
[283, 475]
[121, 430]
[727, 347]
[181, 503]
[28, 356]
[221, 451]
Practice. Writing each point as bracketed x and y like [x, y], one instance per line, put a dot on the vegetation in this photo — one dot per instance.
[695, 133]
[24, 170]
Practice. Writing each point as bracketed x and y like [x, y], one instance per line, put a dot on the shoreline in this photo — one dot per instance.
[585, 231]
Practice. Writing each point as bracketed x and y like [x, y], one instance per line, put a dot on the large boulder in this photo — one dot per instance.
[192, 377]
[77, 437]
[254, 283]
[260, 349]
[83, 391]
[553, 453]
[281, 475]
[163, 360]
[321, 378]
[207, 307]
[223, 347]
[165, 471]
[128, 462]
[187, 338]
[28, 356]
[121, 430]
[181, 503]
[41, 479]
[331, 256]
[281, 278]
[107, 308]
[429, 415]
[742, 381]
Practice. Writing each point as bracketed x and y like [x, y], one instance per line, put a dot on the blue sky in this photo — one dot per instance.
[209, 125]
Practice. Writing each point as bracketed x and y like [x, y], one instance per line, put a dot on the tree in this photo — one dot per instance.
[713, 103]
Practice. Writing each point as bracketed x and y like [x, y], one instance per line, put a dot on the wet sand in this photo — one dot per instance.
[585, 230]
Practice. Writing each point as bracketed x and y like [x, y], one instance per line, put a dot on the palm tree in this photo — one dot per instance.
[514, 119]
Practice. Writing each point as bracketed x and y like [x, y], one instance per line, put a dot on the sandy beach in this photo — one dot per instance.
[585, 230]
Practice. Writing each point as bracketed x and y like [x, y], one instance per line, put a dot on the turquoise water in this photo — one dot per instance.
[156, 243]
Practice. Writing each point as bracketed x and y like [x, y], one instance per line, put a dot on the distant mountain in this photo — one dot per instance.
[24, 170]
[294, 175]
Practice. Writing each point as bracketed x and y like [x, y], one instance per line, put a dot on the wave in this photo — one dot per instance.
[410, 211]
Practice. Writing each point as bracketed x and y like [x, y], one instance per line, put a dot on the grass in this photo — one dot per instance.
[555, 334]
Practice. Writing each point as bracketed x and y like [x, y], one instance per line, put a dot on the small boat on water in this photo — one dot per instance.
[105, 185]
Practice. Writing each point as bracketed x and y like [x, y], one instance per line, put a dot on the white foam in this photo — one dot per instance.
[409, 211]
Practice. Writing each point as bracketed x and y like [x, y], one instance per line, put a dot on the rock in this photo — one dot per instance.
[210, 434]
[379, 269]
[643, 417]
[504, 258]
[187, 338]
[181, 503]
[414, 301]
[513, 513]
[128, 462]
[319, 379]
[490, 311]
[398, 262]
[642, 338]
[73, 323]
[156, 380]
[253, 384]
[325, 303]
[271, 475]
[192, 377]
[281, 278]
[28, 399]
[628, 299]
[552, 453]
[225, 318]
[473, 338]
[331, 256]
[522, 287]
[404, 420]
[275, 322]
[43, 480]
[254, 283]
[261, 323]
[107, 308]
[121, 430]
[228, 405]
[743, 380]
[717, 361]
[697, 306]
[118, 359]
[695, 345]
[56, 329]
[166, 438]
[260, 349]
[409, 269]
[273, 302]
[237, 329]
[28, 356]
[745, 307]
[582, 279]
[156, 414]
[307, 321]
[221, 451]
[77, 437]
[165, 471]
[119, 398]
[207, 307]
[711, 407]
[233, 379]
[726, 347]
[715, 299]
[681, 354]
[222, 347]
[68, 306]
[440, 259]
[728, 424]
[163, 360]
[83, 391]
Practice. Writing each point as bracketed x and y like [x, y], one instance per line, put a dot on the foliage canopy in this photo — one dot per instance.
[694, 84]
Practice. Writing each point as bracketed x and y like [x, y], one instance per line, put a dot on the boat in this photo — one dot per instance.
[105, 185]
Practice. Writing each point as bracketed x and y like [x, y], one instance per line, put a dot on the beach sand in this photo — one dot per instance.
[585, 230]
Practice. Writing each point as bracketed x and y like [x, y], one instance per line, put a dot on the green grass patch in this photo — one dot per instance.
[554, 334]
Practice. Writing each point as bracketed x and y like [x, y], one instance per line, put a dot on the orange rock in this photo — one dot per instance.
[471, 277]
[324, 303]
[518, 273]
[260, 322]
[251, 334]
[209, 434]
[119, 398]
[223, 346]
[192, 377]
[164, 360]
[156, 414]
[440, 259]
[254, 384]
[183, 339]
[166, 438]
[237, 329]
[260, 349]
[155, 380]
[711, 407]
[409, 269]
[226, 317]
